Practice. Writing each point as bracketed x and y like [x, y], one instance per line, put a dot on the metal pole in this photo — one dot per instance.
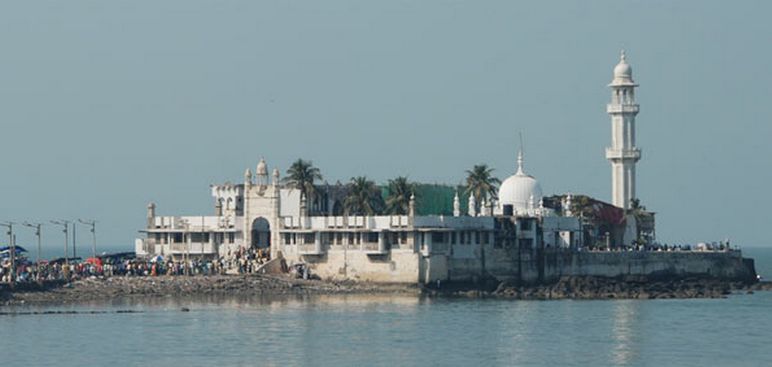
[91, 223]
[93, 238]
[65, 224]
[74, 251]
[37, 234]
[186, 253]
[189, 242]
[66, 238]
[12, 250]
[13, 255]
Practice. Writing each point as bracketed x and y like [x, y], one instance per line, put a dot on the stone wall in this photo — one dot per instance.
[397, 266]
[533, 266]
[477, 262]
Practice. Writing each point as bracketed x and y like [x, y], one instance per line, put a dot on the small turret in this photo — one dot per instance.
[411, 205]
[456, 206]
[248, 177]
[261, 173]
[303, 211]
[472, 206]
[275, 177]
[568, 206]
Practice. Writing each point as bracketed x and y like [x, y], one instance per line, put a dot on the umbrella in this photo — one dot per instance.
[156, 259]
[94, 260]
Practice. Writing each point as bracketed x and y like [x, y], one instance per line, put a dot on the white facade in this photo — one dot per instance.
[623, 154]
[381, 248]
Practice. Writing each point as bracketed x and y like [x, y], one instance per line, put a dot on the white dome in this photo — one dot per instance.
[520, 189]
[623, 72]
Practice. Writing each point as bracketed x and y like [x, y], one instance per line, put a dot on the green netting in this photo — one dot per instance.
[435, 199]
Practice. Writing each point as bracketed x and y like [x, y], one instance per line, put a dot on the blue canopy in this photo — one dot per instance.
[8, 248]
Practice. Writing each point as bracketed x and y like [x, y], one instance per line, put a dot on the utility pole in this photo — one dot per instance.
[37, 234]
[74, 251]
[186, 254]
[64, 223]
[12, 249]
[91, 223]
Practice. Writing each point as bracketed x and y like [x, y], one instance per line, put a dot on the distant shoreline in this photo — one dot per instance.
[96, 289]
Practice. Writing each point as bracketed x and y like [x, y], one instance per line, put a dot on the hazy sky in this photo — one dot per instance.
[107, 105]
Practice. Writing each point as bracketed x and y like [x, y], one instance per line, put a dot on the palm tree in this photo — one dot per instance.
[398, 199]
[363, 197]
[301, 175]
[481, 183]
[644, 222]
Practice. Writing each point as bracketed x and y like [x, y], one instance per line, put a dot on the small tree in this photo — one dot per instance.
[398, 199]
[481, 183]
[301, 176]
[363, 198]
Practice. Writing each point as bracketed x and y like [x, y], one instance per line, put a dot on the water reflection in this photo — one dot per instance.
[624, 331]
[356, 302]
[394, 331]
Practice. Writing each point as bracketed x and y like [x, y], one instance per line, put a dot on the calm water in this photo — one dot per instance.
[354, 331]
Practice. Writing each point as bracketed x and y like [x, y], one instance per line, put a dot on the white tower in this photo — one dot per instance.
[622, 154]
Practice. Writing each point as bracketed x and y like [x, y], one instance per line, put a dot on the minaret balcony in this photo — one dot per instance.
[622, 108]
[623, 154]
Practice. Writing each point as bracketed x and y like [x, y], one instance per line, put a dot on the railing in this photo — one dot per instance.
[612, 153]
[622, 108]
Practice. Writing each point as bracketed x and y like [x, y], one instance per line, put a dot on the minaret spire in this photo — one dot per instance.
[520, 159]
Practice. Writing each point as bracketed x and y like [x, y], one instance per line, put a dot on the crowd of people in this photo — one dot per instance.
[244, 261]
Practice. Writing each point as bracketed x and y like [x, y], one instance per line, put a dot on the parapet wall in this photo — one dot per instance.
[527, 266]
[549, 266]
[728, 265]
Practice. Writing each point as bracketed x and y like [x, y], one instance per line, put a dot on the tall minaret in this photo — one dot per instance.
[622, 154]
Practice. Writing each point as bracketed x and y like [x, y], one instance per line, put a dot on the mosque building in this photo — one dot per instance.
[488, 237]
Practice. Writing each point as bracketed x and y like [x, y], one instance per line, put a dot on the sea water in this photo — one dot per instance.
[397, 331]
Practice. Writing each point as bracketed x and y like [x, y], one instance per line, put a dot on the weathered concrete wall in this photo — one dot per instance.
[397, 266]
[470, 263]
[549, 265]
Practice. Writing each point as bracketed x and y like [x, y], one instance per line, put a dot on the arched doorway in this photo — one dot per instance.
[261, 233]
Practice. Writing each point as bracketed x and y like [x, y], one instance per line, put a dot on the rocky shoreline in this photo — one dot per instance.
[95, 288]
[100, 288]
[590, 288]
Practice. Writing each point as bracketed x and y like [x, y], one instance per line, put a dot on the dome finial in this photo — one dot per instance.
[622, 56]
[520, 157]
